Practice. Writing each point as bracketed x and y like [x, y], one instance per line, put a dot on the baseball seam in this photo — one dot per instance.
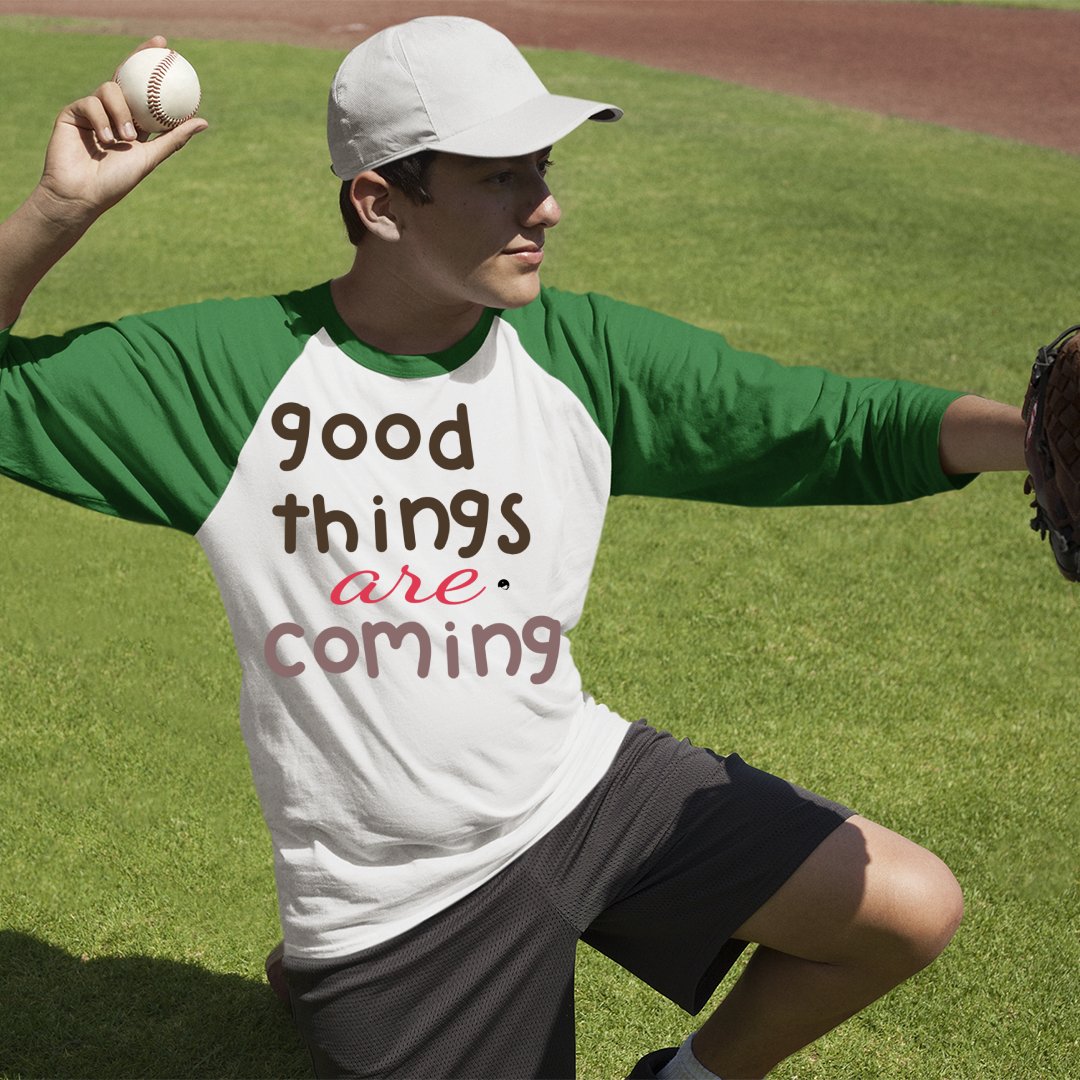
[153, 93]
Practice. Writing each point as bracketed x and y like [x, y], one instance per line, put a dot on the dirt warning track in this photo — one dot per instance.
[996, 70]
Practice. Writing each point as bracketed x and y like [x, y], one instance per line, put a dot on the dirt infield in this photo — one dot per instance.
[994, 70]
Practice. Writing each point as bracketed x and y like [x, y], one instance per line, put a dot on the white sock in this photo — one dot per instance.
[684, 1066]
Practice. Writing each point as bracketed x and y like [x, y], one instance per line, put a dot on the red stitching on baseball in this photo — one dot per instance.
[153, 93]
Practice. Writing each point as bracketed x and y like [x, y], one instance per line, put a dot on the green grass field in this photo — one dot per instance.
[907, 660]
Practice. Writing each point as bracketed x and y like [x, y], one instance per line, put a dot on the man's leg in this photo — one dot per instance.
[483, 989]
[866, 910]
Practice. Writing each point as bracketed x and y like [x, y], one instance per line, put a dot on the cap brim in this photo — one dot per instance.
[527, 128]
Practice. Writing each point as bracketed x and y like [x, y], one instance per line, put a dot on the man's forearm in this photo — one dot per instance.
[36, 236]
[978, 435]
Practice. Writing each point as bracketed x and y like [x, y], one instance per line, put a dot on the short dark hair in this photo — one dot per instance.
[408, 174]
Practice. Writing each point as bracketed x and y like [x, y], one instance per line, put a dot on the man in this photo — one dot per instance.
[399, 478]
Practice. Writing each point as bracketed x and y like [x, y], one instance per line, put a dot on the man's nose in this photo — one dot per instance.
[543, 214]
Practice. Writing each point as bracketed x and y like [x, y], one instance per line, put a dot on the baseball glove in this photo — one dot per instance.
[1052, 447]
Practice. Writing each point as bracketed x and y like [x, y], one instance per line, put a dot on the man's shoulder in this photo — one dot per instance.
[293, 312]
[605, 323]
[567, 304]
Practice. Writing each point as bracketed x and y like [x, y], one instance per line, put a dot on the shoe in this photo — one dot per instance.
[275, 976]
[651, 1064]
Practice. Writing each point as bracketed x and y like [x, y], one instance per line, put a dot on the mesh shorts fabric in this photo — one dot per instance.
[656, 868]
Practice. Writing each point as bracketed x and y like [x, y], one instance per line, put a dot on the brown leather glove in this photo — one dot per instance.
[1052, 447]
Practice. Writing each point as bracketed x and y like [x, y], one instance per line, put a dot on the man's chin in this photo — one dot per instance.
[523, 292]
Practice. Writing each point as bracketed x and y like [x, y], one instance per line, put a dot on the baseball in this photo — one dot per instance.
[160, 87]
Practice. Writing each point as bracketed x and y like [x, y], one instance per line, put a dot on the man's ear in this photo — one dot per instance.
[371, 196]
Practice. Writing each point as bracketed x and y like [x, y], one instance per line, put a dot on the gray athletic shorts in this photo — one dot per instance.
[671, 852]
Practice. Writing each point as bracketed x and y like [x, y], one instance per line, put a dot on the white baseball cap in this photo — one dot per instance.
[444, 83]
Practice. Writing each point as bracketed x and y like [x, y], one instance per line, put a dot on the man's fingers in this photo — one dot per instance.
[89, 113]
[156, 42]
[106, 113]
[118, 111]
[106, 110]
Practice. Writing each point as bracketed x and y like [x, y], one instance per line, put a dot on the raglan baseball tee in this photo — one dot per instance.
[402, 544]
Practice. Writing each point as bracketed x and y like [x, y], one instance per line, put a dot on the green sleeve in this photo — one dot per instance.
[688, 416]
[142, 418]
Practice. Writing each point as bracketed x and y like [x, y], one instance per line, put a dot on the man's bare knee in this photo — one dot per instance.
[910, 909]
[866, 911]
[867, 898]
[926, 906]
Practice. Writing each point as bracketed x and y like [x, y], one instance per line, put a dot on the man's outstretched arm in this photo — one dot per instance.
[978, 435]
[93, 160]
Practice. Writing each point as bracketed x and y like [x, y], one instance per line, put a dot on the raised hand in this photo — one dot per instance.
[95, 158]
